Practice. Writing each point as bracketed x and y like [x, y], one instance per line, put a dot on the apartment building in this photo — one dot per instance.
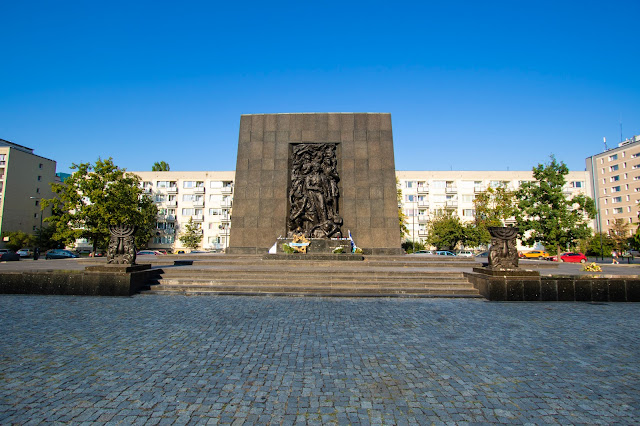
[426, 192]
[25, 179]
[204, 197]
[615, 177]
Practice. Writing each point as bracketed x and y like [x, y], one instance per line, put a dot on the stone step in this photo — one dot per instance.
[320, 282]
[359, 292]
[328, 274]
[311, 280]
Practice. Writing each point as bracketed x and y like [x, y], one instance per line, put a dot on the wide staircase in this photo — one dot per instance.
[402, 276]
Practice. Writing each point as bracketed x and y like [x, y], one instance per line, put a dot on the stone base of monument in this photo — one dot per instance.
[313, 256]
[317, 245]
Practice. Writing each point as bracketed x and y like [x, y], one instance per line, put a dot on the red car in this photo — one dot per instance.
[571, 258]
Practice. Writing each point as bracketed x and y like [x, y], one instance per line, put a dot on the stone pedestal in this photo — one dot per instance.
[317, 245]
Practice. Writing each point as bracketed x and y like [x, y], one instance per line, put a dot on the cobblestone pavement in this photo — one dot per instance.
[281, 360]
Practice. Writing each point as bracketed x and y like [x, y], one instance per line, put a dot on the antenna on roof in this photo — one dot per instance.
[605, 144]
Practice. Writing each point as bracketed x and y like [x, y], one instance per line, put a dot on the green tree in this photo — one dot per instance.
[412, 246]
[45, 238]
[619, 233]
[598, 241]
[18, 240]
[475, 235]
[494, 206]
[401, 216]
[445, 231]
[545, 215]
[192, 235]
[160, 166]
[96, 196]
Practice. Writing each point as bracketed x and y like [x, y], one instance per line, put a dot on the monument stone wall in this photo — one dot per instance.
[365, 163]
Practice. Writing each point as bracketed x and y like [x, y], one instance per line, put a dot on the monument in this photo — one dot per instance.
[318, 175]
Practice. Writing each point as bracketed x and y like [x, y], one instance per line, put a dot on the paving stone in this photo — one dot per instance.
[242, 360]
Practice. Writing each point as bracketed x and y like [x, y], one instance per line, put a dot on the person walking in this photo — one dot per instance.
[614, 258]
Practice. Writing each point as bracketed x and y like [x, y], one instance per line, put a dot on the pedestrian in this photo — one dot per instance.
[36, 253]
[614, 257]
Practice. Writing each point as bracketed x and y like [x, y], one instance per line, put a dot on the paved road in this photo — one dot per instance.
[279, 360]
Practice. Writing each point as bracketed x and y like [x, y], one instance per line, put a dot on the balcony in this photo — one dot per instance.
[227, 189]
[197, 218]
[479, 188]
[423, 189]
[226, 203]
[423, 218]
[225, 219]
[451, 189]
[198, 203]
[422, 232]
[172, 203]
[423, 203]
[198, 190]
[225, 231]
[451, 204]
[170, 218]
[172, 190]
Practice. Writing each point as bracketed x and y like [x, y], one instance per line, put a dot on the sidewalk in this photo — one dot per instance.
[224, 360]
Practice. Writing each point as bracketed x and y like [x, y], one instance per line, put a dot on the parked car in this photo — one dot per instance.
[465, 253]
[9, 256]
[149, 253]
[483, 254]
[571, 257]
[535, 254]
[445, 253]
[423, 252]
[25, 252]
[60, 254]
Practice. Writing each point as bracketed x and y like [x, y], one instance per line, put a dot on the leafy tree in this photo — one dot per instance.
[18, 240]
[494, 206]
[600, 239]
[45, 240]
[160, 166]
[192, 235]
[96, 196]
[412, 246]
[545, 215]
[619, 233]
[445, 230]
[401, 216]
[475, 235]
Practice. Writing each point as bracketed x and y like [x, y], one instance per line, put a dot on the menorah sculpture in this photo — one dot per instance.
[504, 253]
[122, 247]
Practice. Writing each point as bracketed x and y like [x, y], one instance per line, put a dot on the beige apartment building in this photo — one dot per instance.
[207, 199]
[426, 192]
[615, 175]
[25, 179]
[204, 197]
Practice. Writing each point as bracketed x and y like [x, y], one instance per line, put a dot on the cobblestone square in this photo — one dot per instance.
[282, 360]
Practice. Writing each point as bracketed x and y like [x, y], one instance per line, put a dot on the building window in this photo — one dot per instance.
[617, 210]
[37, 190]
[577, 184]
[215, 212]
[467, 213]
[628, 198]
[616, 200]
[188, 184]
[188, 212]
[40, 166]
[160, 198]
[615, 189]
[626, 175]
[410, 198]
[614, 168]
[615, 178]
[408, 184]
[39, 178]
[37, 202]
[613, 157]
[636, 155]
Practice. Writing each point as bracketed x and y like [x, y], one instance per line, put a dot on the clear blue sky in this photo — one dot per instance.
[475, 85]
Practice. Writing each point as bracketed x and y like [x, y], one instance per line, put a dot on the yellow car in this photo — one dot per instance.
[535, 254]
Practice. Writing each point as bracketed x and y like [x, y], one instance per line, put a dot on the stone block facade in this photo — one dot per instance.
[368, 197]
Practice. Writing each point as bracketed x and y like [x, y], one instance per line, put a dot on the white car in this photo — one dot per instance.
[465, 253]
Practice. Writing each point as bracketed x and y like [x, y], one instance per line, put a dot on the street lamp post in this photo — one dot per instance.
[39, 230]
